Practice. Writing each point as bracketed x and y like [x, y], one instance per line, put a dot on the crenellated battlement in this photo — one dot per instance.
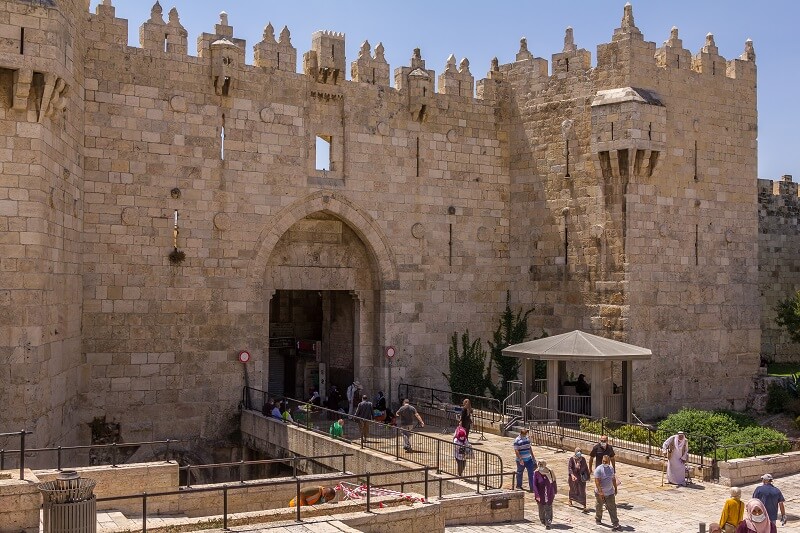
[326, 61]
[779, 194]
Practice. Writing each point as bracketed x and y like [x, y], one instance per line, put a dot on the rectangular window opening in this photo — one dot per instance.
[222, 140]
[324, 152]
[21, 41]
[166, 42]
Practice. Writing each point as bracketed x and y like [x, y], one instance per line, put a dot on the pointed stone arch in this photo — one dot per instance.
[334, 203]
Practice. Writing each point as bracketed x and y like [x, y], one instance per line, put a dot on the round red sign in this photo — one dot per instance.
[390, 352]
[244, 356]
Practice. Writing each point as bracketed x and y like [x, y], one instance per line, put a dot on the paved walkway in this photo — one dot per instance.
[644, 505]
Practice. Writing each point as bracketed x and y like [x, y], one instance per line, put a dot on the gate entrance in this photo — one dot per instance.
[312, 339]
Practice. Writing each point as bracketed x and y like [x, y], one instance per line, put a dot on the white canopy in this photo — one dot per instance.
[577, 346]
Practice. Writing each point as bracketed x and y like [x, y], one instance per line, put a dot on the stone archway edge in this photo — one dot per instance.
[337, 204]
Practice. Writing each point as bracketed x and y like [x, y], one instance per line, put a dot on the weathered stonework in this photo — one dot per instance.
[618, 199]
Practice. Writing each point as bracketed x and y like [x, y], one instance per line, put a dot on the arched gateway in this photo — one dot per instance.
[323, 266]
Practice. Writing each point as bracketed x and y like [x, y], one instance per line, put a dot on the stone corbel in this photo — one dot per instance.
[22, 88]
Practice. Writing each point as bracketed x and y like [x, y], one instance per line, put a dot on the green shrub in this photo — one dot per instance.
[797, 422]
[696, 422]
[777, 398]
[741, 419]
[768, 441]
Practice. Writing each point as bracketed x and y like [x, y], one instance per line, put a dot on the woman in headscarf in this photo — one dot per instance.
[578, 476]
[756, 519]
[462, 449]
[732, 511]
[544, 490]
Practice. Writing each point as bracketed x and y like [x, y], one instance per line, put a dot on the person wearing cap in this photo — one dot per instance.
[600, 450]
[676, 449]
[525, 458]
[364, 415]
[772, 498]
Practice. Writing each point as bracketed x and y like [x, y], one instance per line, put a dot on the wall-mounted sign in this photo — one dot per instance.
[244, 356]
[390, 352]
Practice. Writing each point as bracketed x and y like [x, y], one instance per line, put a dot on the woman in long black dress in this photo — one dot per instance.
[466, 415]
[578, 476]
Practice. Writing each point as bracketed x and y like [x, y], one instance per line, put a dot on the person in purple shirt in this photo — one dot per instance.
[544, 490]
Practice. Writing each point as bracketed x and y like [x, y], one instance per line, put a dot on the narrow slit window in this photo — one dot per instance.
[417, 155]
[21, 41]
[222, 140]
[166, 43]
[324, 152]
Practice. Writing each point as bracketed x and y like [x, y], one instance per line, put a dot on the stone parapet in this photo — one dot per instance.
[737, 472]
[20, 501]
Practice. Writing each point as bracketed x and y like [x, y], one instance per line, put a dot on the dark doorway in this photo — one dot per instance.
[312, 342]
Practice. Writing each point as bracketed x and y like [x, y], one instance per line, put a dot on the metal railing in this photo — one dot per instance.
[621, 435]
[240, 465]
[366, 477]
[21, 434]
[115, 447]
[426, 450]
[757, 448]
[485, 410]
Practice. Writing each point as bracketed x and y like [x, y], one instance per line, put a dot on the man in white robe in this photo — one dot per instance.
[676, 448]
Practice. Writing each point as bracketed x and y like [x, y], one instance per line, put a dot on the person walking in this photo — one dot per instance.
[353, 394]
[756, 519]
[676, 450]
[544, 490]
[462, 449]
[732, 511]
[600, 450]
[466, 415]
[405, 418]
[605, 491]
[772, 498]
[525, 458]
[578, 474]
[364, 415]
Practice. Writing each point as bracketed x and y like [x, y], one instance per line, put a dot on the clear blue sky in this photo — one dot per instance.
[482, 30]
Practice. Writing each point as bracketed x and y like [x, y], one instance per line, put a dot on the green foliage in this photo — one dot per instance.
[512, 329]
[735, 433]
[467, 375]
[767, 441]
[788, 316]
[778, 397]
[797, 422]
[697, 422]
[782, 369]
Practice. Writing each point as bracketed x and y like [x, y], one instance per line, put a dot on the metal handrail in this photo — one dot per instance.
[525, 409]
[115, 446]
[21, 434]
[310, 478]
[390, 439]
[239, 464]
[493, 403]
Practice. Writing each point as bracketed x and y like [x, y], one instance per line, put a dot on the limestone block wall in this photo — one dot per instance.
[162, 338]
[20, 502]
[737, 472]
[778, 263]
[41, 208]
[691, 237]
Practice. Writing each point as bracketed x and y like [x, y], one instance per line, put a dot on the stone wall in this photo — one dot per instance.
[41, 219]
[20, 502]
[778, 264]
[616, 199]
[737, 472]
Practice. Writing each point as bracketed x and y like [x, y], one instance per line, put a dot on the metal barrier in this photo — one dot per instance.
[239, 465]
[22, 452]
[484, 409]
[385, 438]
[366, 476]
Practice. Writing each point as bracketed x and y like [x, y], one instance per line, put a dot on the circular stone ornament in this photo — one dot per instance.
[178, 103]
[418, 230]
[484, 234]
[383, 128]
[222, 221]
[267, 114]
[129, 216]
[452, 136]
[597, 231]
[729, 236]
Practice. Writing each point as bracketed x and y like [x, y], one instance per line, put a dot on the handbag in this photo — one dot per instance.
[584, 476]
